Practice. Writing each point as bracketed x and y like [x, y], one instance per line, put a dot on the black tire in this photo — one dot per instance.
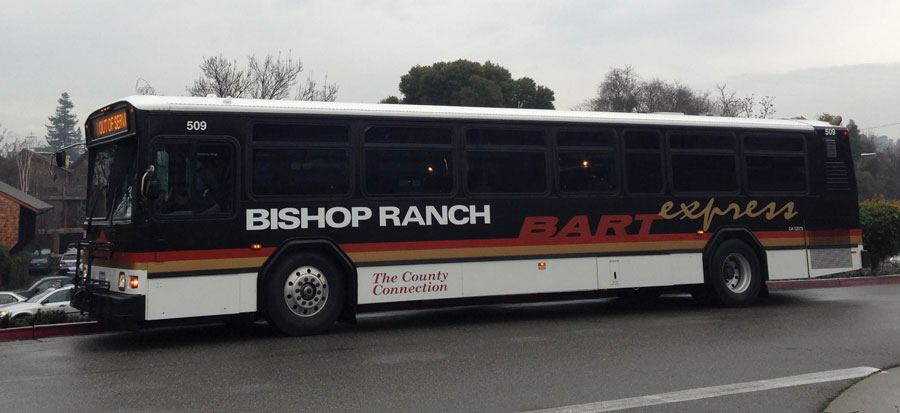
[735, 276]
[316, 297]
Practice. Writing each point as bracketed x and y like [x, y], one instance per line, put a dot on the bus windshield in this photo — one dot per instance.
[112, 171]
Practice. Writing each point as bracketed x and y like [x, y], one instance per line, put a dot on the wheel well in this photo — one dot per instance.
[325, 247]
[739, 233]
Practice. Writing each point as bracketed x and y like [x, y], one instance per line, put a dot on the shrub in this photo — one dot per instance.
[41, 317]
[880, 221]
[13, 269]
[48, 317]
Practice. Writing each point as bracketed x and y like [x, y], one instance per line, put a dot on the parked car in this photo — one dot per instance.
[56, 281]
[49, 300]
[9, 297]
[67, 262]
[39, 265]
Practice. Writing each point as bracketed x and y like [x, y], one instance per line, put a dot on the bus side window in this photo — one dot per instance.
[194, 179]
[643, 162]
[212, 185]
[173, 166]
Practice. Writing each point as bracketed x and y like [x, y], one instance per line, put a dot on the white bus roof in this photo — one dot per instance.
[231, 105]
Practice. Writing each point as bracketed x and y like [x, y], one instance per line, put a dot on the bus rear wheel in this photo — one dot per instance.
[305, 293]
[735, 277]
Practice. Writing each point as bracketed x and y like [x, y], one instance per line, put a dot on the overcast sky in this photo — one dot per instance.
[814, 56]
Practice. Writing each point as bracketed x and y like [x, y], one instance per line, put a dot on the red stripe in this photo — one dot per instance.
[516, 242]
[186, 255]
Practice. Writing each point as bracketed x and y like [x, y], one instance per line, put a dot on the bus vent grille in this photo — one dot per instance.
[831, 148]
[836, 176]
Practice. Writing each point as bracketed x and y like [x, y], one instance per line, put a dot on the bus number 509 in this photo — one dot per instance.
[196, 125]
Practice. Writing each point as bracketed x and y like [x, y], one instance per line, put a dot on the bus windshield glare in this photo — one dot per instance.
[112, 178]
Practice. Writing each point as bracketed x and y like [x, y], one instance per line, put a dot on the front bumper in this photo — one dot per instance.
[109, 305]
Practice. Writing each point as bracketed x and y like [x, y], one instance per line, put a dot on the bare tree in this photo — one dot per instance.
[220, 77]
[686, 100]
[273, 77]
[766, 107]
[746, 105]
[655, 96]
[311, 91]
[623, 91]
[4, 133]
[726, 104]
[619, 92]
[23, 153]
[143, 89]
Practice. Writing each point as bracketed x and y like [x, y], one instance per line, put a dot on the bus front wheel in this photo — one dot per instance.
[305, 293]
[735, 277]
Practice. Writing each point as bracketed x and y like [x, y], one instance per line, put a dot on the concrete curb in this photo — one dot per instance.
[50, 330]
[876, 393]
[833, 282]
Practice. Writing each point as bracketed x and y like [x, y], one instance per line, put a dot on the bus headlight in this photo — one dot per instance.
[122, 281]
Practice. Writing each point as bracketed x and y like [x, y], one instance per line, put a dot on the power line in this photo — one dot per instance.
[882, 126]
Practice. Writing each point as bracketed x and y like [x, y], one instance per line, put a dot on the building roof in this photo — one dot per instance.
[214, 104]
[24, 199]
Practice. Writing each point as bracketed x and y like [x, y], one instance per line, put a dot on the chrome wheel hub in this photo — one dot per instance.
[737, 273]
[306, 291]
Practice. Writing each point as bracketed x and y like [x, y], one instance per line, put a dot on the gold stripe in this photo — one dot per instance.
[454, 253]
[450, 253]
[852, 239]
[188, 265]
[783, 242]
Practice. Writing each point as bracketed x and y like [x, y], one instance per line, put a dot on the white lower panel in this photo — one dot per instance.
[650, 270]
[395, 283]
[179, 297]
[787, 264]
[528, 277]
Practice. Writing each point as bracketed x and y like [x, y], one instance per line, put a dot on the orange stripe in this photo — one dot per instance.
[203, 260]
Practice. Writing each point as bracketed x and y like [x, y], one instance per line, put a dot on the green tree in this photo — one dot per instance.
[64, 129]
[467, 83]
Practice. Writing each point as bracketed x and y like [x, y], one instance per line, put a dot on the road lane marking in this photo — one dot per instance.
[715, 391]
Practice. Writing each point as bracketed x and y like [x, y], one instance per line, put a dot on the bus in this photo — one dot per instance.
[308, 213]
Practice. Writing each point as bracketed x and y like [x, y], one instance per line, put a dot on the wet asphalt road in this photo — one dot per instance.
[486, 358]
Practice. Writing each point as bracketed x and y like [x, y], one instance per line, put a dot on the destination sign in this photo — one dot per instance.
[110, 124]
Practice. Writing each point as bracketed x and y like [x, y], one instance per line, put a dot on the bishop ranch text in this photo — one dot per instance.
[387, 216]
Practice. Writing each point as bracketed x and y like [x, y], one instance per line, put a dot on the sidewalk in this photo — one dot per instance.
[833, 282]
[879, 392]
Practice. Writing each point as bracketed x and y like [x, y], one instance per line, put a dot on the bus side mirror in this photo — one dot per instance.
[60, 159]
[149, 185]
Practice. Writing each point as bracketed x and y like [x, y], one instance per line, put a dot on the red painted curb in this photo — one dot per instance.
[50, 330]
[833, 282]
